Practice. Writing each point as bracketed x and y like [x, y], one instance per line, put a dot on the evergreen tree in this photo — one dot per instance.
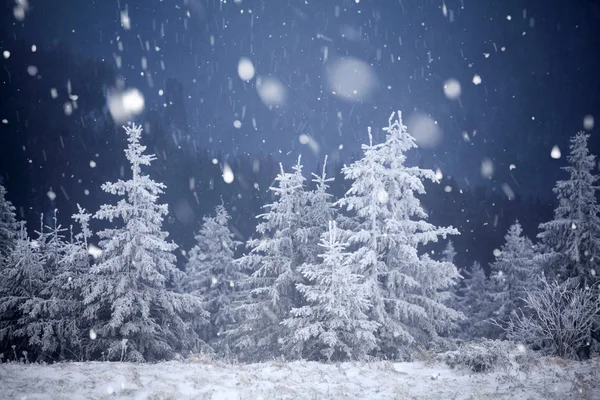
[211, 272]
[571, 241]
[449, 253]
[319, 210]
[334, 322]
[272, 263]
[514, 272]
[9, 227]
[54, 322]
[406, 289]
[134, 314]
[476, 304]
[456, 292]
[51, 240]
[22, 279]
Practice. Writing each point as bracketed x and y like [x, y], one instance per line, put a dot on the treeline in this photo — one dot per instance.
[321, 278]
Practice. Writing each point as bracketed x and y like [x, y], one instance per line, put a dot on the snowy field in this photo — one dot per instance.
[549, 378]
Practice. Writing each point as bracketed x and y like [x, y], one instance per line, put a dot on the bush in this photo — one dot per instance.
[481, 356]
[558, 319]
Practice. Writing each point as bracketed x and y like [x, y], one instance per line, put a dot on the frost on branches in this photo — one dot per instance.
[407, 290]
[319, 210]
[572, 238]
[9, 227]
[211, 272]
[476, 303]
[270, 290]
[514, 273]
[22, 279]
[55, 325]
[456, 292]
[559, 320]
[334, 323]
[136, 317]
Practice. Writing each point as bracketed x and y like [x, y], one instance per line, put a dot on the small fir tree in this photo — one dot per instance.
[211, 271]
[514, 273]
[55, 325]
[22, 279]
[334, 323]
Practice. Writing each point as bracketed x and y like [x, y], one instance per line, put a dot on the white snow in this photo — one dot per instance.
[124, 105]
[351, 79]
[452, 89]
[125, 20]
[487, 168]
[227, 173]
[271, 91]
[550, 379]
[588, 122]
[245, 69]
[424, 129]
[94, 251]
[555, 153]
[32, 70]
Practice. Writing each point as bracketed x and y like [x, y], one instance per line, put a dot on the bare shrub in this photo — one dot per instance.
[480, 356]
[558, 319]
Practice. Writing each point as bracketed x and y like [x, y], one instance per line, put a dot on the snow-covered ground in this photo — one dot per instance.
[547, 379]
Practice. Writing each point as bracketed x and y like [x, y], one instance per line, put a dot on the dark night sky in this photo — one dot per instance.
[539, 62]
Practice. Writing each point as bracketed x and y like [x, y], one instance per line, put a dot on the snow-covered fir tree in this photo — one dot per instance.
[449, 253]
[51, 239]
[475, 302]
[513, 273]
[9, 227]
[407, 289]
[134, 314]
[571, 241]
[334, 323]
[272, 265]
[55, 325]
[456, 292]
[211, 271]
[22, 279]
[319, 210]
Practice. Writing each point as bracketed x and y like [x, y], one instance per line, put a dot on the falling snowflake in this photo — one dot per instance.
[227, 174]
[452, 89]
[245, 69]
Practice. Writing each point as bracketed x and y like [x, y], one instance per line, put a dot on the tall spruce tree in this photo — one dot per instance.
[272, 264]
[334, 323]
[571, 241]
[407, 289]
[134, 314]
